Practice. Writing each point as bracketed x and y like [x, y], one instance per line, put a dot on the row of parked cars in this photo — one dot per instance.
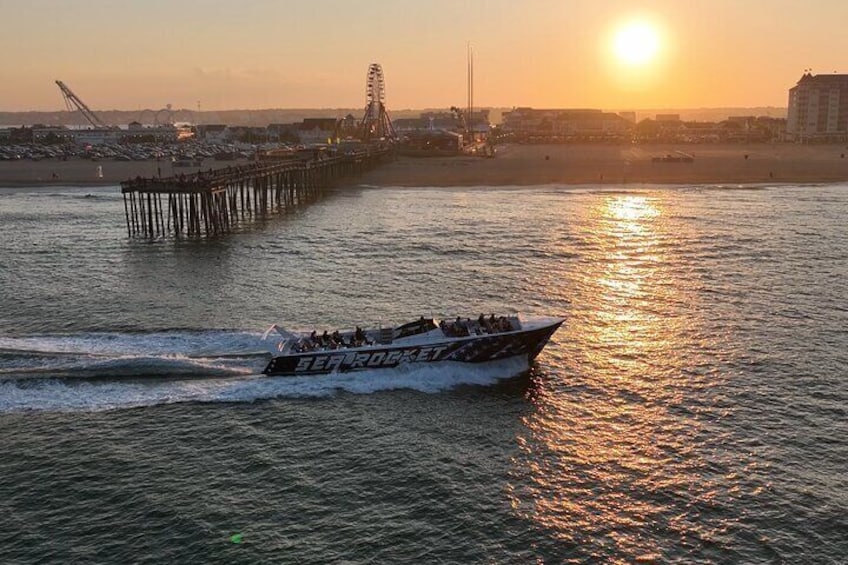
[32, 152]
[178, 152]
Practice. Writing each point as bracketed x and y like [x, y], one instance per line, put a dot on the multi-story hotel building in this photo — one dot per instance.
[818, 109]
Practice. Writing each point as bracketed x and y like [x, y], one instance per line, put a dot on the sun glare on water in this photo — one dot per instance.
[636, 43]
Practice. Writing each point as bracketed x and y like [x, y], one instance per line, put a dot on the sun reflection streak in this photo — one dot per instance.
[610, 451]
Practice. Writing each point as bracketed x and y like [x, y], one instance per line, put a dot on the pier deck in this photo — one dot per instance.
[213, 202]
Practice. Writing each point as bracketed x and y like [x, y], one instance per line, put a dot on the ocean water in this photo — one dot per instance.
[692, 409]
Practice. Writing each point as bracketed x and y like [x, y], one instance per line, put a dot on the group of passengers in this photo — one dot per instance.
[483, 325]
[335, 340]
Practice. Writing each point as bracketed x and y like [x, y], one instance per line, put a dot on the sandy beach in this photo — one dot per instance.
[84, 172]
[622, 164]
[515, 165]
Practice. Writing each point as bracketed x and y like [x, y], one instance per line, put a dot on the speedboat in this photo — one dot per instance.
[424, 340]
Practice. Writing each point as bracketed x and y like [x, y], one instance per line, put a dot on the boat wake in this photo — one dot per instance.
[108, 371]
[109, 355]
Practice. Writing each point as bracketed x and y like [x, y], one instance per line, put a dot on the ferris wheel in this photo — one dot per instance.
[375, 84]
[376, 124]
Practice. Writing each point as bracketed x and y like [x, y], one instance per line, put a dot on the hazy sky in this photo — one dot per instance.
[129, 54]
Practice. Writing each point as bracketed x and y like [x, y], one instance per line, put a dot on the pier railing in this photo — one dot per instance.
[214, 202]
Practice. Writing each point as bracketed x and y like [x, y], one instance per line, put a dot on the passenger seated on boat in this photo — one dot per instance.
[359, 338]
[446, 329]
[337, 338]
[325, 338]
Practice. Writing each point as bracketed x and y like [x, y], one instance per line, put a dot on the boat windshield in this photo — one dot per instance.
[288, 339]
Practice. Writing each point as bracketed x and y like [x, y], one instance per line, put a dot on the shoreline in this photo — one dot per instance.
[514, 165]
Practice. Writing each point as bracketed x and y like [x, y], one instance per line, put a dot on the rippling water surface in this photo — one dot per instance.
[691, 409]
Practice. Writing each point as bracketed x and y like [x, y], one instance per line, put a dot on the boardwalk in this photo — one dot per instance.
[212, 203]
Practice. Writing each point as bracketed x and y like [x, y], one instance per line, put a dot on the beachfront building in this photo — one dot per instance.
[445, 121]
[348, 127]
[39, 133]
[818, 109]
[166, 133]
[317, 130]
[51, 134]
[97, 136]
[566, 125]
[426, 143]
[669, 128]
[433, 121]
[280, 132]
[213, 133]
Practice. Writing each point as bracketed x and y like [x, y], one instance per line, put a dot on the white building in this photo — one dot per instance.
[97, 136]
[818, 109]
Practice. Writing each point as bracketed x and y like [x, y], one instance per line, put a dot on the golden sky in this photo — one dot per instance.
[131, 54]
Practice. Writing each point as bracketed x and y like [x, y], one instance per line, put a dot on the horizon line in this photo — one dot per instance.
[409, 109]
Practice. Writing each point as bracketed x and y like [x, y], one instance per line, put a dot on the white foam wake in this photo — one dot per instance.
[64, 395]
[113, 355]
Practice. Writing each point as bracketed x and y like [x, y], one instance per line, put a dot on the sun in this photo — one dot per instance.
[636, 43]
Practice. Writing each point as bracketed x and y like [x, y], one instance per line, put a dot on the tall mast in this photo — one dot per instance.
[470, 63]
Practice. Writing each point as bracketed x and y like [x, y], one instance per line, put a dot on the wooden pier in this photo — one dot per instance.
[213, 202]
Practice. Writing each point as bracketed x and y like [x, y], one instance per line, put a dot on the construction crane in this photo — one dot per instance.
[72, 102]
